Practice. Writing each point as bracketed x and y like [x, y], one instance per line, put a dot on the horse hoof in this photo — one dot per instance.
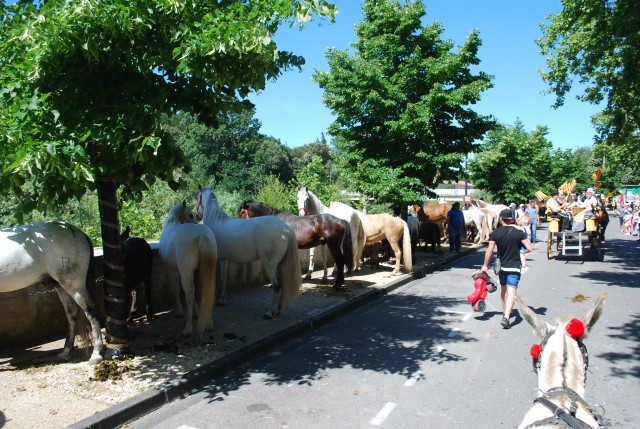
[307, 277]
[95, 359]
[267, 316]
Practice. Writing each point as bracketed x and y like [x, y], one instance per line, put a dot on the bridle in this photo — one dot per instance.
[568, 417]
[302, 211]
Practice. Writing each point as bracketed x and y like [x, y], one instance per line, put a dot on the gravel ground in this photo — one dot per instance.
[36, 387]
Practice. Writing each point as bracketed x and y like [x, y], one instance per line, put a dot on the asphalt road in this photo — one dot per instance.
[421, 358]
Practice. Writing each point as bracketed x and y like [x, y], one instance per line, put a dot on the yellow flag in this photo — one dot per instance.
[597, 174]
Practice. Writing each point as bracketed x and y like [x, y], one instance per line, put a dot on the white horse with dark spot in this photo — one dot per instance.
[264, 238]
[561, 362]
[309, 203]
[184, 248]
[59, 252]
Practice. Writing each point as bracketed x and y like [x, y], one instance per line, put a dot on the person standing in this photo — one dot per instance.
[534, 218]
[508, 239]
[455, 217]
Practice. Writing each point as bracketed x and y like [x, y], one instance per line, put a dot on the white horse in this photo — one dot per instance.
[266, 238]
[473, 216]
[309, 203]
[561, 362]
[57, 251]
[184, 248]
[495, 208]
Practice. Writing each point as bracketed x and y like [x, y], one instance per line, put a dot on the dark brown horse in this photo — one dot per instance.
[433, 222]
[311, 231]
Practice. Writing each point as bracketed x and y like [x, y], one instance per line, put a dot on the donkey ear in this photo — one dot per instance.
[540, 327]
[594, 314]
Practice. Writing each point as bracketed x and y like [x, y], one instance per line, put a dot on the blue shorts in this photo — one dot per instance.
[509, 279]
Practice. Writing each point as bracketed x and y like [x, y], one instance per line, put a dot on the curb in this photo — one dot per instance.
[146, 402]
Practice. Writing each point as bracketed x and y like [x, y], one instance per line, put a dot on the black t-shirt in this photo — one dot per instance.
[508, 239]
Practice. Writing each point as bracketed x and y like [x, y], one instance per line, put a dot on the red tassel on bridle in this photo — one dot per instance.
[575, 328]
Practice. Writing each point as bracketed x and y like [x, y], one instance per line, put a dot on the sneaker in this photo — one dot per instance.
[524, 269]
[505, 323]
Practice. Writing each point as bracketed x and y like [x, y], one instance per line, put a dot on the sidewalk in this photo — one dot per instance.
[167, 367]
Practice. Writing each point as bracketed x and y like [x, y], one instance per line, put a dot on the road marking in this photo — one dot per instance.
[413, 378]
[186, 427]
[453, 332]
[382, 414]
[466, 317]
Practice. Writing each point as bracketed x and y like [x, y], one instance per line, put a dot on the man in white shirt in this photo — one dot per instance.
[590, 202]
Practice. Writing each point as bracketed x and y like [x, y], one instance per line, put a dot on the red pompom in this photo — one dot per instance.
[575, 328]
[535, 351]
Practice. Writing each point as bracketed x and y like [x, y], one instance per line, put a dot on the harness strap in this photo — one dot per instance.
[558, 414]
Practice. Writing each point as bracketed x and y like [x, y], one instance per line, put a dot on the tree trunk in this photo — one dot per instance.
[117, 340]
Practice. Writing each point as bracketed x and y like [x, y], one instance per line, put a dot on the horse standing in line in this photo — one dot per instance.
[138, 265]
[377, 227]
[264, 238]
[561, 362]
[311, 231]
[495, 208]
[475, 218]
[309, 203]
[184, 248]
[55, 252]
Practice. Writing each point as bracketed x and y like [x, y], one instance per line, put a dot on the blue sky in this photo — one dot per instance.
[291, 108]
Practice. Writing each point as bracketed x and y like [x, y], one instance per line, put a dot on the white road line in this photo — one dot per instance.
[456, 312]
[186, 427]
[382, 414]
[466, 317]
[413, 378]
[453, 332]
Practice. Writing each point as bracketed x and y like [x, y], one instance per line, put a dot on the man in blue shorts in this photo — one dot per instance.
[508, 238]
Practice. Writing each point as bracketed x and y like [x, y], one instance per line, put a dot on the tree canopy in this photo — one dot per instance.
[595, 43]
[402, 99]
[83, 84]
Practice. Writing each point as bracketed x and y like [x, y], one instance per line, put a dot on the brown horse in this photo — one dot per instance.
[380, 226]
[311, 231]
[436, 213]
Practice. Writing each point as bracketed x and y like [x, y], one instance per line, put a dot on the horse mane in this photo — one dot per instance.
[212, 212]
[315, 201]
[261, 208]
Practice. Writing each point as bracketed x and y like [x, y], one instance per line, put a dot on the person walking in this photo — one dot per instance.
[455, 217]
[508, 239]
[533, 213]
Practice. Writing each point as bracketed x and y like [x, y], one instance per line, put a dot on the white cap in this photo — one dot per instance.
[590, 190]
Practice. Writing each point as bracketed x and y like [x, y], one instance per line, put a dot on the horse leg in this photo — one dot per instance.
[186, 278]
[80, 300]
[174, 279]
[222, 269]
[312, 263]
[395, 245]
[334, 248]
[277, 303]
[323, 254]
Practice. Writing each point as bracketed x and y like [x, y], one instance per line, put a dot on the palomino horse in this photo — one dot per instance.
[58, 252]
[377, 227]
[309, 203]
[311, 231]
[184, 248]
[495, 208]
[561, 362]
[265, 238]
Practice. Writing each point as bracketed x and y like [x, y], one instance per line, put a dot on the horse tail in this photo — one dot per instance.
[207, 266]
[347, 246]
[83, 324]
[289, 269]
[407, 259]
[360, 240]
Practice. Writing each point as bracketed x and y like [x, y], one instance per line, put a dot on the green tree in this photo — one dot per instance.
[315, 177]
[234, 155]
[512, 164]
[402, 100]
[276, 194]
[83, 86]
[596, 43]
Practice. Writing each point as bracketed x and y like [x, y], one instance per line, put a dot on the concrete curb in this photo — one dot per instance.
[146, 402]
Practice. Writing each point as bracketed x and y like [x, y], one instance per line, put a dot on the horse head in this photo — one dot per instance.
[560, 361]
[303, 200]
[244, 210]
